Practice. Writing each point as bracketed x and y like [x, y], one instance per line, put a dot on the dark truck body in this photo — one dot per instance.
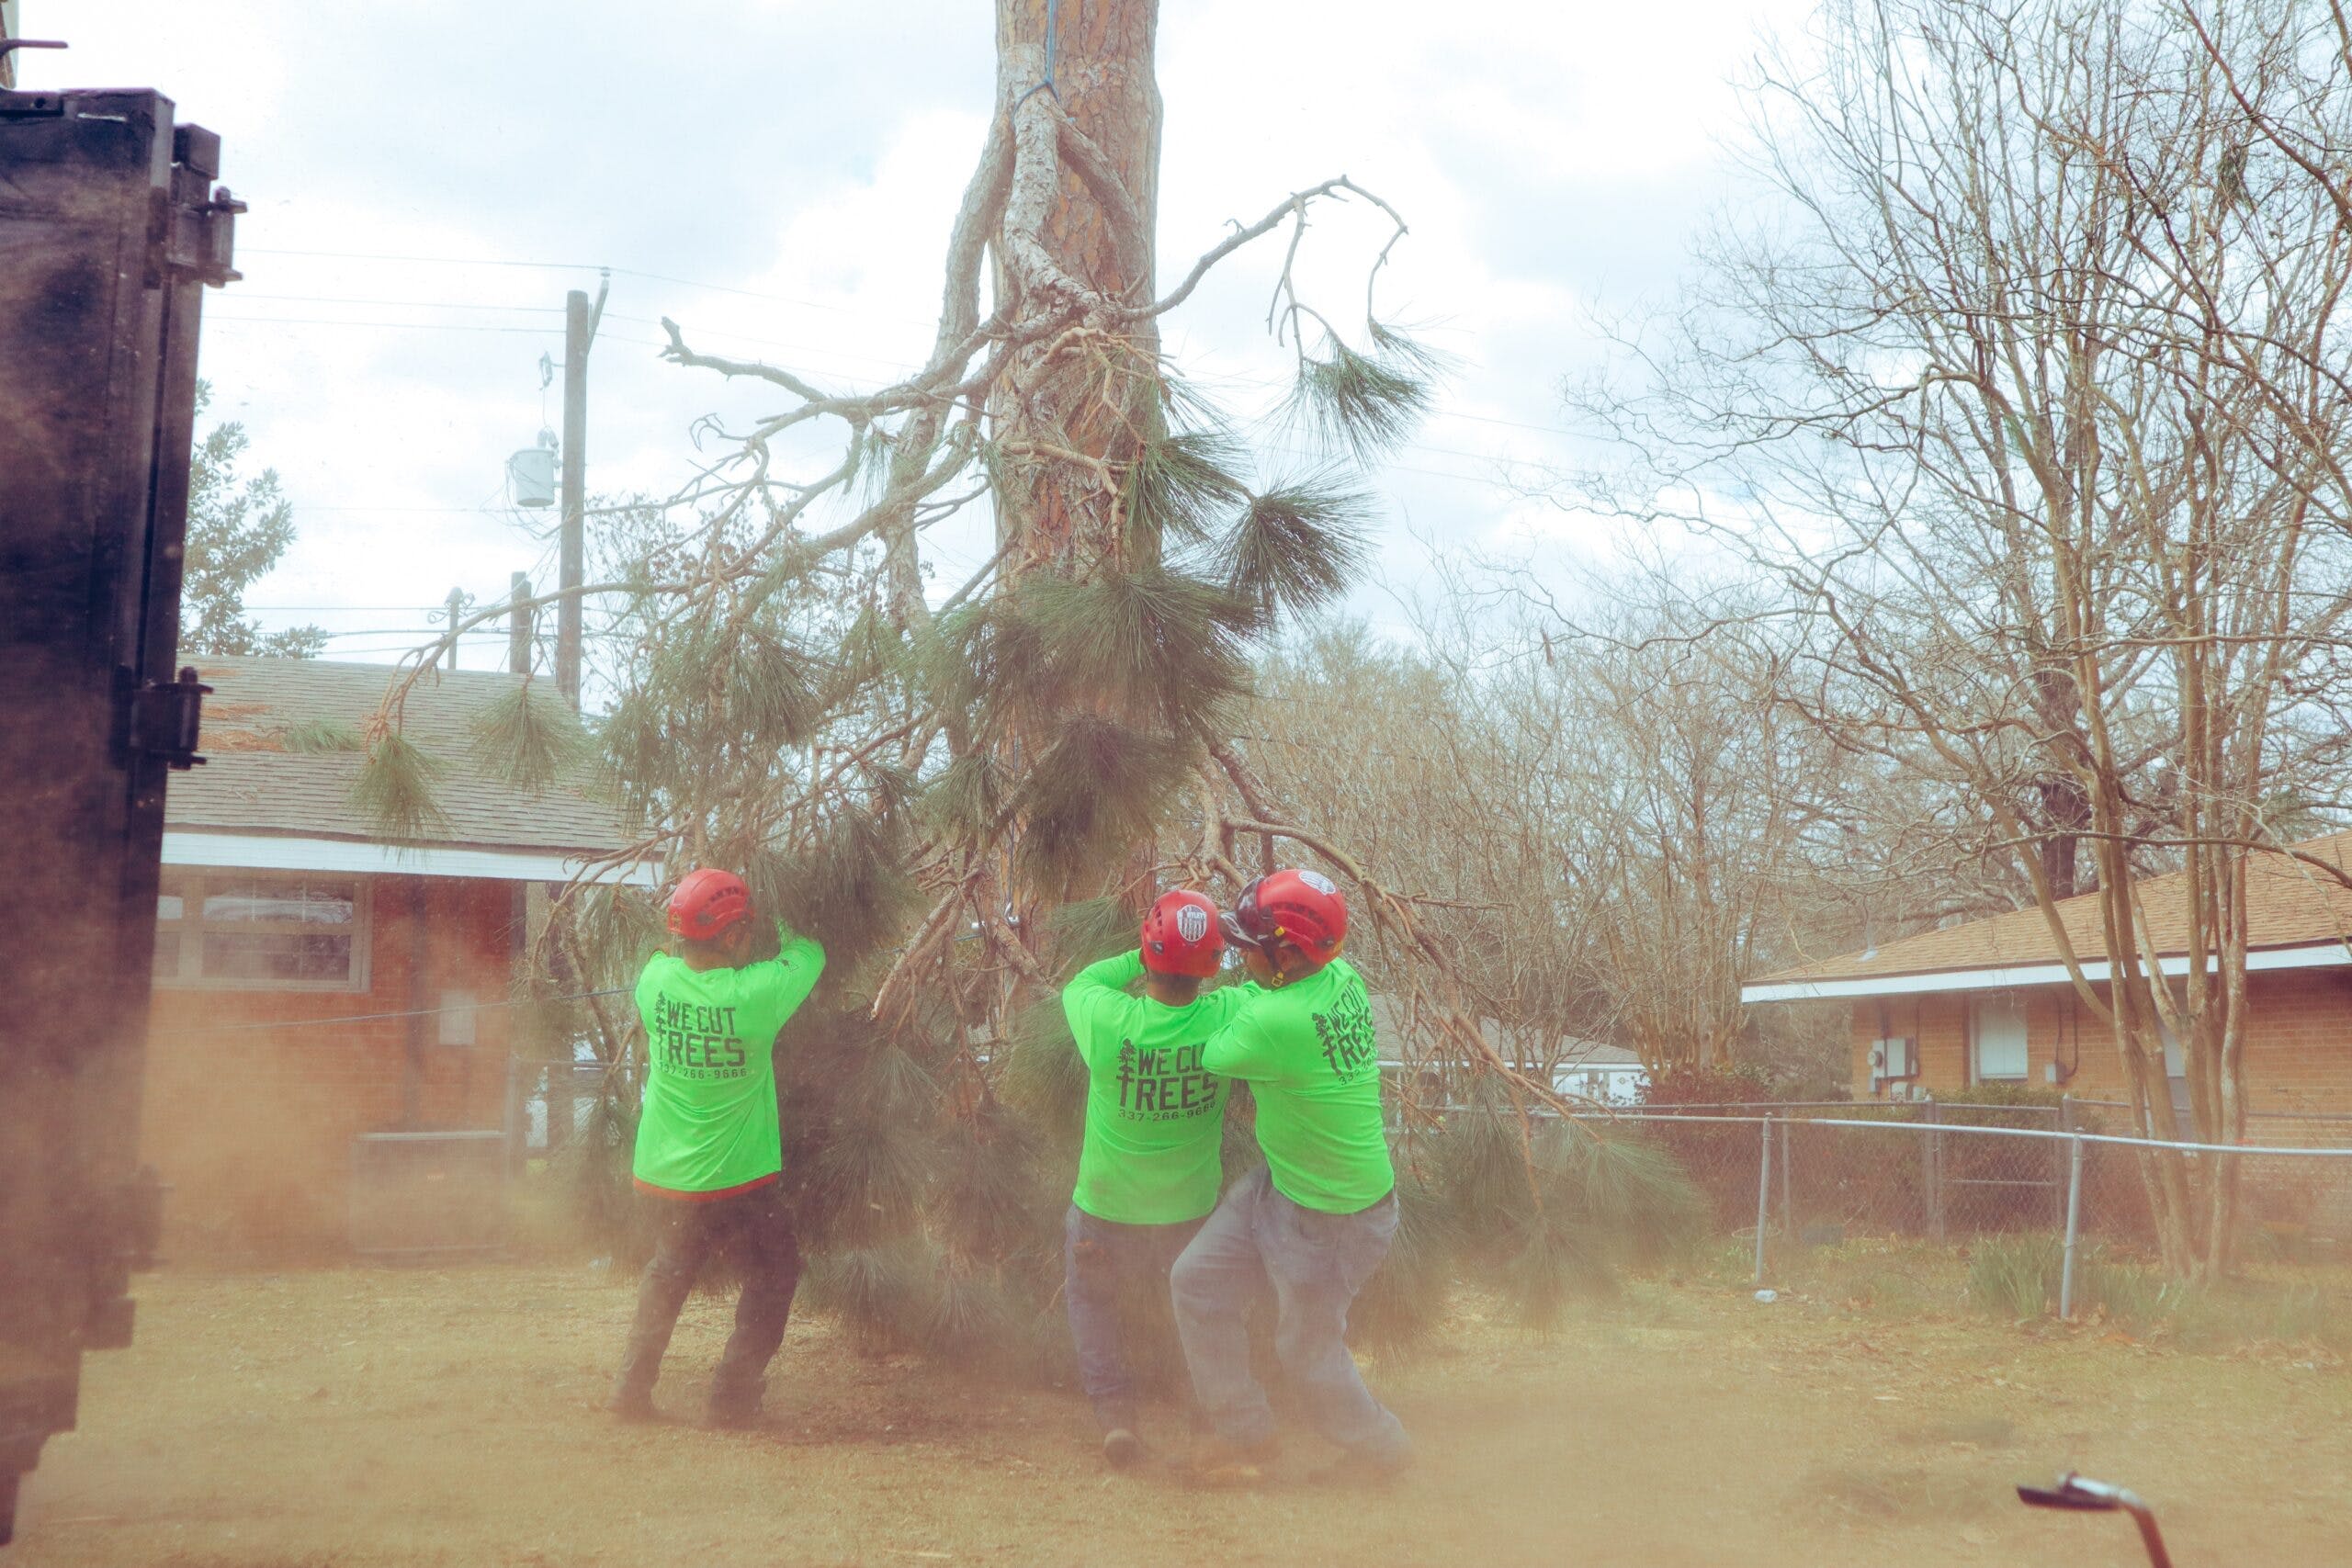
[109, 228]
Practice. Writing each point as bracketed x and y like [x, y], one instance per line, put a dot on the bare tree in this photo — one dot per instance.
[1615, 829]
[1708, 788]
[2029, 395]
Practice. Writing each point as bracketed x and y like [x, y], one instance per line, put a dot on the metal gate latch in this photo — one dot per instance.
[165, 716]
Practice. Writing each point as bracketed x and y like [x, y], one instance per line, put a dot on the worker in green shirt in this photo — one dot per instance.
[1319, 1219]
[709, 1153]
[1149, 1168]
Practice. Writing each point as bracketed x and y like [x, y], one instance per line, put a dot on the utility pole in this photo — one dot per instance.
[519, 625]
[579, 331]
[456, 612]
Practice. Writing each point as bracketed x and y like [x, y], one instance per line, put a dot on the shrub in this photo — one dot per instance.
[1683, 1084]
[2015, 1277]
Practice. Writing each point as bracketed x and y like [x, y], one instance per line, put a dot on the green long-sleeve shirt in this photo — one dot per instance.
[709, 1125]
[1154, 1116]
[1308, 1054]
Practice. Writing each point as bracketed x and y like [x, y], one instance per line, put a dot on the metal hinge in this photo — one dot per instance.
[165, 716]
[200, 241]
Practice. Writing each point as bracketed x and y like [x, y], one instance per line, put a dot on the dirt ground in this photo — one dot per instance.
[379, 1416]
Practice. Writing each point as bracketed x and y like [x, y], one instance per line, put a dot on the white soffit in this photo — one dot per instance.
[2319, 956]
[271, 851]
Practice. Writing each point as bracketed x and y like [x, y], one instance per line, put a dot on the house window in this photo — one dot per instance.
[1996, 1040]
[261, 931]
[2176, 1074]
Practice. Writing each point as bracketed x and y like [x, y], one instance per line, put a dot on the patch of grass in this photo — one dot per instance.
[383, 1416]
[2228, 1314]
[2015, 1277]
[1884, 1276]
[2302, 1315]
[2130, 1295]
[2019, 1279]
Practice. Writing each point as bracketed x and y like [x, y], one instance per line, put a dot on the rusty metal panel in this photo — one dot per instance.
[109, 228]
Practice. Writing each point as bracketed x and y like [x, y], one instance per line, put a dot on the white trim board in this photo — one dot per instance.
[2318, 955]
[274, 852]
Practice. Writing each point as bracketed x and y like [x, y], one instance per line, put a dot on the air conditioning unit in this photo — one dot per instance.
[1893, 1061]
[419, 1195]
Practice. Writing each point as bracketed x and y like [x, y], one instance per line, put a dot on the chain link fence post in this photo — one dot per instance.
[1763, 1195]
[514, 1118]
[1931, 1159]
[2073, 1223]
[2069, 1124]
[1788, 1191]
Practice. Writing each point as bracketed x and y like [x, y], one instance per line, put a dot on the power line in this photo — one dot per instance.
[484, 511]
[581, 267]
[435, 261]
[408, 304]
[690, 283]
[897, 367]
[549, 331]
[1511, 423]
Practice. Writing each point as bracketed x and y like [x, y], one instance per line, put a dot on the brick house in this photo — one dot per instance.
[315, 982]
[1990, 1001]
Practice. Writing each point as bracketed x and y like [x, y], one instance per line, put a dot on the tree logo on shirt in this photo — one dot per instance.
[1345, 1034]
[1164, 1084]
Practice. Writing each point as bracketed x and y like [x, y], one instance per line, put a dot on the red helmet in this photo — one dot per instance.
[708, 902]
[1180, 935]
[1301, 907]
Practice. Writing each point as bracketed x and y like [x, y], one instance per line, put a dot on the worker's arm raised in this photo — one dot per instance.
[784, 981]
[1096, 997]
[1240, 1049]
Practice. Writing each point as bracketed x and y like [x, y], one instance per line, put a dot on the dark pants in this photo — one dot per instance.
[1099, 1259]
[1317, 1264]
[754, 1229]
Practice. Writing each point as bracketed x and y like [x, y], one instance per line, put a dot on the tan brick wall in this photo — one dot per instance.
[251, 1129]
[2298, 1049]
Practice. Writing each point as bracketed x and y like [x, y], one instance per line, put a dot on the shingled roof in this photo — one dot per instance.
[253, 785]
[2291, 906]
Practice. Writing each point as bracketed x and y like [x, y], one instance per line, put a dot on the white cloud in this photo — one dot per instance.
[810, 155]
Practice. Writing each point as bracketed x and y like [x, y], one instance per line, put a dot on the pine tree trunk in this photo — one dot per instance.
[1074, 409]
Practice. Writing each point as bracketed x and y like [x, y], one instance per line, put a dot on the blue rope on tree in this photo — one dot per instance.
[1053, 54]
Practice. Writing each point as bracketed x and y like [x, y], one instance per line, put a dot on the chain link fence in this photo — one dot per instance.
[550, 1106]
[1906, 1207]
[2026, 1210]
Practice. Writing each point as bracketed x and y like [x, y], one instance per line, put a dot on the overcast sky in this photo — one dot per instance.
[427, 179]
